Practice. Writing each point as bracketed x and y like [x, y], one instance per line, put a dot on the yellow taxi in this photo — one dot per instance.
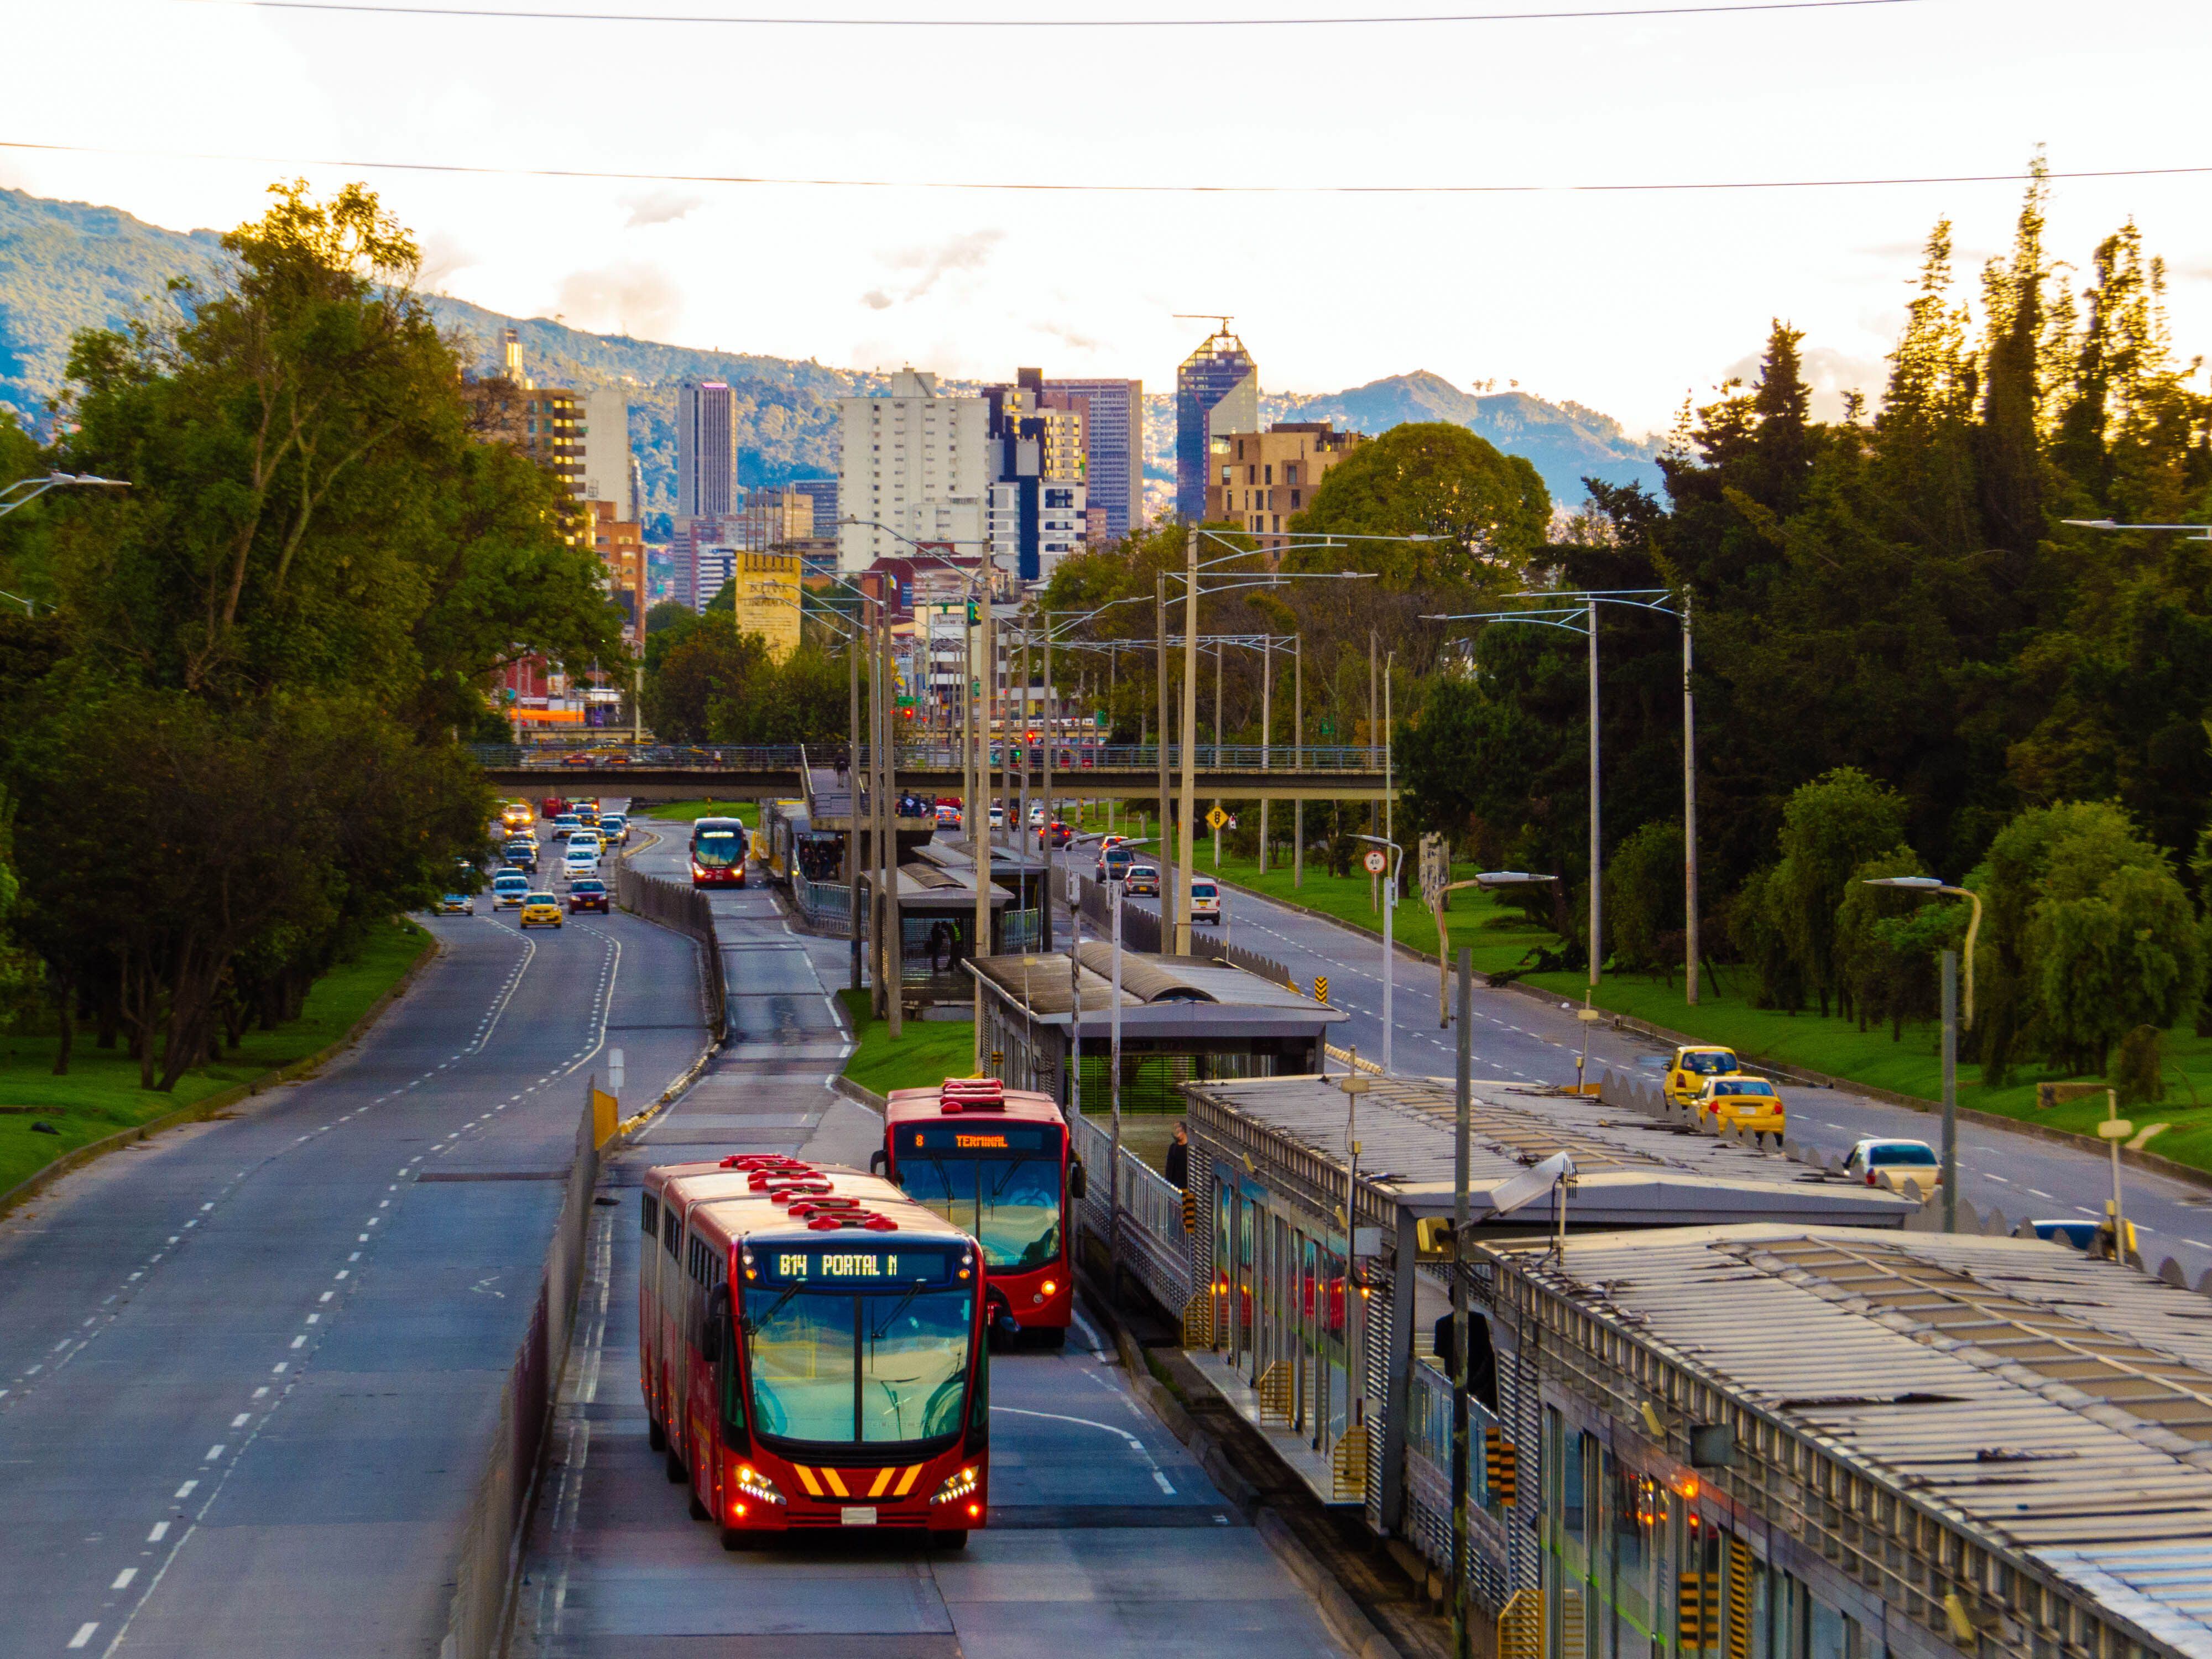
[1693, 1065]
[541, 910]
[1750, 1103]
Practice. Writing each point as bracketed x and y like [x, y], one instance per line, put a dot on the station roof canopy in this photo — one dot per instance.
[1163, 998]
[2054, 1406]
[1631, 1170]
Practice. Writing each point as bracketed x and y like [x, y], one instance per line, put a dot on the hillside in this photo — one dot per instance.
[70, 266]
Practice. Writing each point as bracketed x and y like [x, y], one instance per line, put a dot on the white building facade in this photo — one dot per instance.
[913, 460]
[607, 469]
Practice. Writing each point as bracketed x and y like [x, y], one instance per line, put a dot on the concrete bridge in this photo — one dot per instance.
[1086, 771]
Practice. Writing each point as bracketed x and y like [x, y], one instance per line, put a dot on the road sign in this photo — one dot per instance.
[1216, 818]
[1320, 987]
[1376, 861]
[2116, 1129]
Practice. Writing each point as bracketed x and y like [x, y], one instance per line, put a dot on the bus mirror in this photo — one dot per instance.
[717, 1334]
[1076, 1182]
[876, 1162]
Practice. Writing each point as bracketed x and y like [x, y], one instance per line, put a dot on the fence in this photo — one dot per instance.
[688, 911]
[1155, 1250]
[491, 1538]
[822, 903]
[1141, 931]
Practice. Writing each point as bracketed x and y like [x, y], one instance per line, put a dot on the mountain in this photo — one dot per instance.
[70, 266]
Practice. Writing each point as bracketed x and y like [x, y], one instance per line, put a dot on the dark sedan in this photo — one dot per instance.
[587, 893]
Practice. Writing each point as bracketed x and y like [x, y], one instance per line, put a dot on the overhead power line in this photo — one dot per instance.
[506, 15]
[1024, 187]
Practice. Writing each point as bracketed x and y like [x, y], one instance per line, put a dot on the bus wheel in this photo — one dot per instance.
[950, 1541]
[675, 1467]
[736, 1538]
[699, 1511]
[655, 1436]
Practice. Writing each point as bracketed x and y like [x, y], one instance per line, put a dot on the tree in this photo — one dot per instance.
[1643, 891]
[1829, 828]
[1483, 512]
[1887, 943]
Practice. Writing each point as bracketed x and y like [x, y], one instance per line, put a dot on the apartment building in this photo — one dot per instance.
[620, 543]
[1114, 449]
[609, 471]
[912, 469]
[1258, 479]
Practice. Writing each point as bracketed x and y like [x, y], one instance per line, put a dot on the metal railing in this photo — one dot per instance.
[822, 903]
[925, 753]
[1020, 931]
[1155, 1250]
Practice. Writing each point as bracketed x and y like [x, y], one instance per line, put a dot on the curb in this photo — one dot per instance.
[842, 1085]
[209, 1105]
[1338, 1610]
[690, 1075]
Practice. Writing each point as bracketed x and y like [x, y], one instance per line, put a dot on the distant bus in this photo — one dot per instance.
[718, 853]
[811, 1350]
[994, 1162]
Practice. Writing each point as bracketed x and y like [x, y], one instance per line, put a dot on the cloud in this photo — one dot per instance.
[636, 300]
[443, 255]
[1073, 339]
[968, 252]
[660, 208]
[1830, 374]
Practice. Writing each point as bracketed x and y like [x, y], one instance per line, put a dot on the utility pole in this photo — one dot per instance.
[979, 835]
[872, 796]
[1267, 730]
[1187, 803]
[894, 923]
[1374, 811]
[1169, 873]
[1299, 758]
[853, 920]
[1596, 841]
[1044, 834]
[1463, 1101]
[1689, 815]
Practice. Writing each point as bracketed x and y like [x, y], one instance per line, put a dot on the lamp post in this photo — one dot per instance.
[1488, 880]
[1397, 854]
[1926, 885]
[36, 487]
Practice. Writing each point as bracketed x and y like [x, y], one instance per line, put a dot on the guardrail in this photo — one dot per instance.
[1155, 1250]
[822, 903]
[1141, 930]
[922, 754]
[686, 910]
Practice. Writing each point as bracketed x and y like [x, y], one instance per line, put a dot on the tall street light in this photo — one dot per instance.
[40, 485]
[1489, 880]
[1396, 855]
[1928, 886]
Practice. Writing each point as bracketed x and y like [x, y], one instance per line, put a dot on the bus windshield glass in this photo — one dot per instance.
[718, 848]
[834, 1365]
[1001, 1183]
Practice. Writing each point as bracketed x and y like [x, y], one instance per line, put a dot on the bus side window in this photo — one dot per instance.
[668, 1230]
[648, 1214]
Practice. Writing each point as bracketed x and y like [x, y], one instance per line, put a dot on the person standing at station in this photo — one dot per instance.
[1178, 1169]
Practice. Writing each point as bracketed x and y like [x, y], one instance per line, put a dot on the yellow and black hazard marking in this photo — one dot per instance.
[1501, 1464]
[823, 1481]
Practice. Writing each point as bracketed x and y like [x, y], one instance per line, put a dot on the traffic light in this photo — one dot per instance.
[974, 615]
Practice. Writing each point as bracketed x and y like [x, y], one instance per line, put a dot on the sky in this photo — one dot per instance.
[1625, 301]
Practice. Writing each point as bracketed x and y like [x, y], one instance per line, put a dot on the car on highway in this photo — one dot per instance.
[522, 854]
[540, 910]
[615, 827]
[516, 814]
[1205, 899]
[1113, 863]
[1143, 880]
[1061, 833]
[1037, 814]
[456, 904]
[588, 816]
[566, 825]
[997, 817]
[1909, 1166]
[508, 889]
[587, 841]
[1750, 1103]
[579, 861]
[1693, 1064]
[948, 815]
[588, 893]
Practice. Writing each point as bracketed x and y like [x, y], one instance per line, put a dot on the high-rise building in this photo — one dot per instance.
[912, 461]
[607, 470]
[544, 422]
[774, 519]
[1217, 389]
[706, 451]
[1259, 478]
[1038, 506]
[1114, 446]
[621, 546]
[766, 597]
[823, 492]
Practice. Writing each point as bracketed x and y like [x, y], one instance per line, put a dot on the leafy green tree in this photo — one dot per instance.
[1482, 511]
[1886, 945]
[1830, 828]
[1643, 889]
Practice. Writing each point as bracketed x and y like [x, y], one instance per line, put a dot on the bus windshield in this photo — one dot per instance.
[1011, 1205]
[830, 1367]
[717, 849]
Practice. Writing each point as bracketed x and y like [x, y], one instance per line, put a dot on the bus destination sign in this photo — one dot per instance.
[977, 1139]
[857, 1267]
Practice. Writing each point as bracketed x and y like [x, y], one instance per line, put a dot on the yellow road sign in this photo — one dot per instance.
[1320, 987]
[1216, 818]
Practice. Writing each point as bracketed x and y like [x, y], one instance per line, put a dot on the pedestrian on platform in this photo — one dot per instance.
[1178, 1161]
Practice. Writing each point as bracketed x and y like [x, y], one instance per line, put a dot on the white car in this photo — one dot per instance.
[1037, 814]
[997, 817]
[585, 842]
[1906, 1165]
[508, 889]
[1205, 900]
[579, 861]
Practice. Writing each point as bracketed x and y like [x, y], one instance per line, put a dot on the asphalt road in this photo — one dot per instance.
[1104, 1537]
[247, 1369]
[1520, 1037]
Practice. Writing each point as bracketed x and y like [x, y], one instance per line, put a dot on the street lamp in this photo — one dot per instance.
[40, 485]
[1489, 880]
[1928, 886]
[2203, 531]
[1390, 906]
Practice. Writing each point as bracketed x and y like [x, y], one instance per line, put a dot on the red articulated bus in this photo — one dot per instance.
[995, 1163]
[812, 1351]
[718, 853]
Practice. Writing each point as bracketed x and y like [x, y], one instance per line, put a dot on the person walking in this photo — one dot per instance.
[1178, 1160]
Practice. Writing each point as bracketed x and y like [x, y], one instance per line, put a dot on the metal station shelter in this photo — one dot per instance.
[1331, 1357]
[1183, 1019]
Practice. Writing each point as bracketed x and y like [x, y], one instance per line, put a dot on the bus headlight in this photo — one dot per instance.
[754, 1484]
[957, 1487]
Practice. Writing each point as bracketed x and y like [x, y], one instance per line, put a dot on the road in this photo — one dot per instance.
[1520, 1037]
[248, 1368]
[1103, 1536]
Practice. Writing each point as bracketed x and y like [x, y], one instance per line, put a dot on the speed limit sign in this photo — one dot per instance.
[1376, 861]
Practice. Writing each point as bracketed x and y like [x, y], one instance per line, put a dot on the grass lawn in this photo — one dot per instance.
[929, 1051]
[101, 1095]
[690, 811]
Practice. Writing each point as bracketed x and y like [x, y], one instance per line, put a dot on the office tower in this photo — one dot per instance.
[1114, 447]
[1217, 389]
[823, 494]
[911, 470]
[510, 356]
[1259, 478]
[1037, 512]
[620, 548]
[606, 452]
[544, 422]
[774, 518]
[706, 451]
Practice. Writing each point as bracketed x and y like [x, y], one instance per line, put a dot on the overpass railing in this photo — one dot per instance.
[924, 754]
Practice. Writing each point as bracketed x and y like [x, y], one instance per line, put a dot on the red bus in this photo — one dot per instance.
[994, 1162]
[812, 1351]
[718, 853]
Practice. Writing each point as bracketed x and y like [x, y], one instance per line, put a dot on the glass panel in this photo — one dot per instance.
[800, 1344]
[1826, 1632]
[913, 1360]
[1574, 1541]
